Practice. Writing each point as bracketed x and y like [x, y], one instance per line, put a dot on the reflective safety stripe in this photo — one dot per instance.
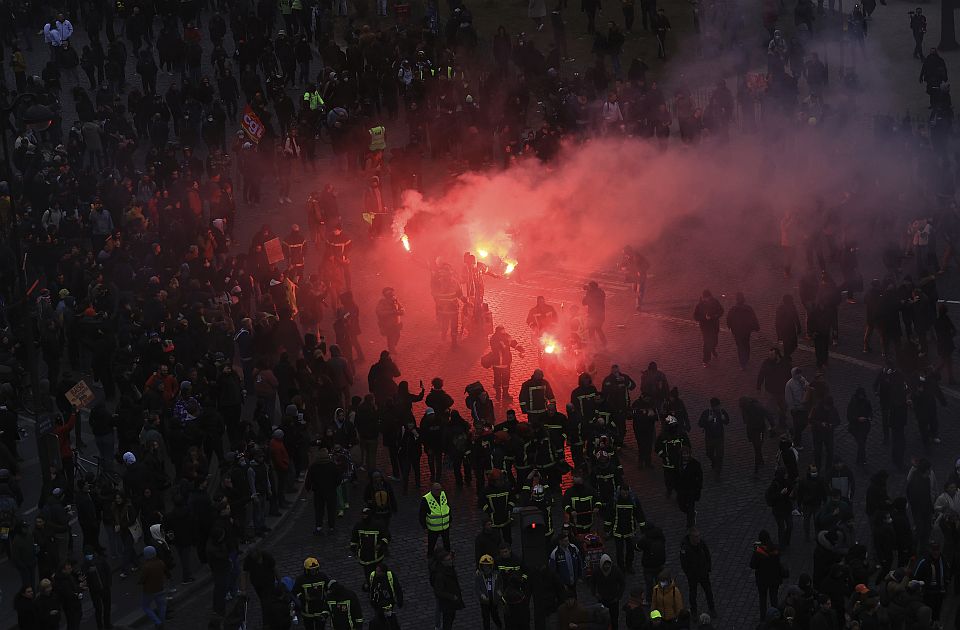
[438, 518]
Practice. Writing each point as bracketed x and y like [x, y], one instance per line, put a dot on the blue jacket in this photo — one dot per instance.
[567, 563]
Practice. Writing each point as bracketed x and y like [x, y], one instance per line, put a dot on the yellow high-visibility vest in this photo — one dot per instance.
[378, 138]
[438, 519]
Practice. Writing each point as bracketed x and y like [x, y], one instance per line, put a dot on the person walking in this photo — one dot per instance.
[446, 588]
[780, 495]
[707, 314]
[742, 322]
[787, 325]
[595, 299]
[824, 419]
[153, 575]
[607, 585]
[96, 568]
[697, 564]
[435, 518]
[772, 379]
[713, 422]
[768, 570]
[323, 479]
[795, 394]
[859, 416]
[689, 485]
[918, 26]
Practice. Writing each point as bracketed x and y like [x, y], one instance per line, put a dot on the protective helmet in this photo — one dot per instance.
[538, 492]
[4, 474]
[486, 559]
[311, 564]
[670, 420]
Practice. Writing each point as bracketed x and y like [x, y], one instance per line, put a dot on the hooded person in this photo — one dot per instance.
[607, 585]
[162, 546]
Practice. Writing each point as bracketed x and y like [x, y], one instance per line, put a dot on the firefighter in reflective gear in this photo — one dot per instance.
[501, 349]
[669, 446]
[515, 600]
[310, 589]
[376, 211]
[447, 297]
[524, 448]
[502, 458]
[542, 319]
[582, 408]
[603, 430]
[369, 542]
[580, 503]
[537, 495]
[627, 517]
[507, 564]
[544, 457]
[435, 518]
[606, 475]
[343, 607]
[293, 249]
[389, 311]
[386, 595]
[556, 426]
[615, 392]
[497, 502]
[473, 282]
[338, 255]
[535, 395]
[481, 455]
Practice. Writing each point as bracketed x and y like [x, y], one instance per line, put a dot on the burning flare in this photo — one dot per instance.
[510, 266]
[550, 344]
[482, 253]
[406, 242]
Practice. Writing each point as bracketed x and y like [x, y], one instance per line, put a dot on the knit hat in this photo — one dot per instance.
[149, 552]
[129, 458]
[278, 434]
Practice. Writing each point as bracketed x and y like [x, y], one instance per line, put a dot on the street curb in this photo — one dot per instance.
[202, 579]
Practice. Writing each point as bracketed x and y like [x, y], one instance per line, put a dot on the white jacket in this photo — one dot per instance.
[795, 392]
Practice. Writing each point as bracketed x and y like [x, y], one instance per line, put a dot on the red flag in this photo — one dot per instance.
[251, 124]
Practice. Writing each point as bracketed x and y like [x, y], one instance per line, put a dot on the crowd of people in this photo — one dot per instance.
[217, 395]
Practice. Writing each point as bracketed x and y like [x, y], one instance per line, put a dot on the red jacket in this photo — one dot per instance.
[62, 432]
[279, 455]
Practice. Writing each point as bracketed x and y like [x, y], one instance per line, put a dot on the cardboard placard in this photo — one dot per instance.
[274, 250]
[80, 395]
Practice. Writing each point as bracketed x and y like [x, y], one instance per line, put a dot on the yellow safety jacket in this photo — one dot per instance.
[378, 138]
[438, 518]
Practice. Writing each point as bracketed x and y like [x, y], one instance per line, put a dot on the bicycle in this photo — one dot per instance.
[83, 467]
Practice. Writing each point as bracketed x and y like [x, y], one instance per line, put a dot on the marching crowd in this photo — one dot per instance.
[123, 200]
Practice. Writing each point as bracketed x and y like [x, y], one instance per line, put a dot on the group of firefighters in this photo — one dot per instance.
[518, 467]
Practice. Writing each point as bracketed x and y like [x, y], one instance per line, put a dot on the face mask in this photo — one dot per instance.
[813, 475]
[88, 557]
[664, 584]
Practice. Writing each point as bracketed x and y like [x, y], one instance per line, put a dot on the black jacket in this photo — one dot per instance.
[695, 560]
[608, 587]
